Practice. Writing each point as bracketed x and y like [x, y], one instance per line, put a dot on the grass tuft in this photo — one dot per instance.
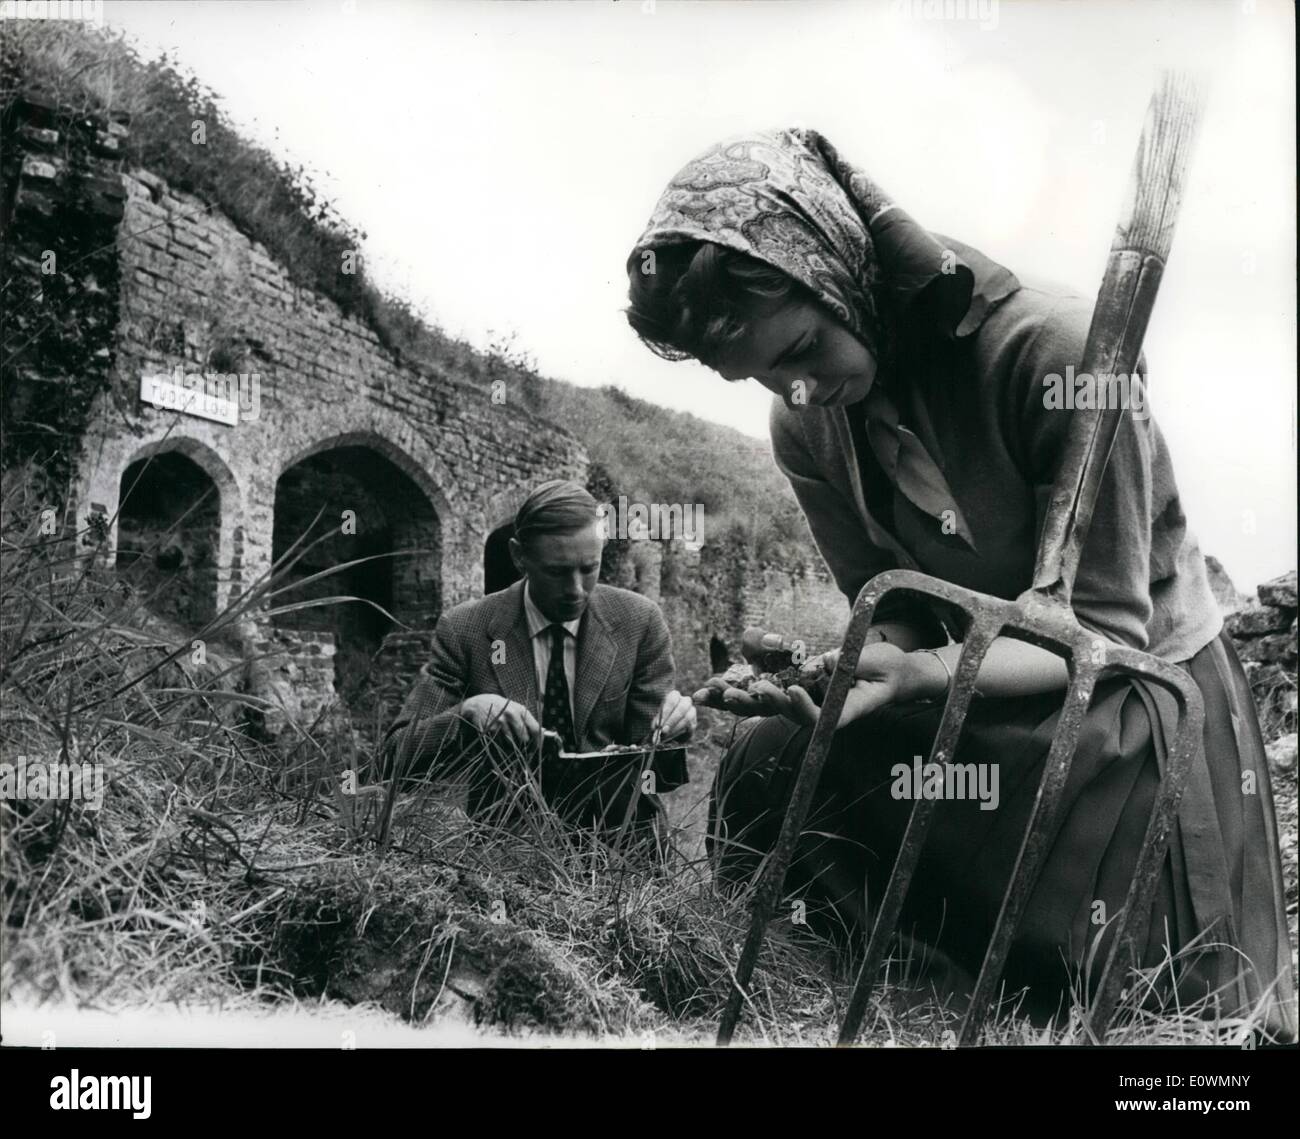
[225, 871]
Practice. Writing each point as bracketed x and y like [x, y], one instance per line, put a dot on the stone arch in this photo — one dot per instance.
[108, 486]
[416, 460]
[168, 533]
[413, 457]
[203, 457]
[373, 533]
[501, 508]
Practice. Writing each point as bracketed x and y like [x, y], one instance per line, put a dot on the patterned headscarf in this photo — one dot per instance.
[787, 198]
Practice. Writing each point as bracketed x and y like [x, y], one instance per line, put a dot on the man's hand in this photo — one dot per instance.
[491, 713]
[676, 716]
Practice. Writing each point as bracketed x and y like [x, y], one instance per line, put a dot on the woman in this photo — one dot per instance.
[917, 424]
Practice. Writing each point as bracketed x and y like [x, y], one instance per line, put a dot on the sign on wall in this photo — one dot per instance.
[211, 395]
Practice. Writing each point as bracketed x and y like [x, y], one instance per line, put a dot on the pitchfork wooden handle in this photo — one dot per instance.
[1124, 303]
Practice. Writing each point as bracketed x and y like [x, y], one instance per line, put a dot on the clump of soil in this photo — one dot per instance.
[745, 676]
[443, 944]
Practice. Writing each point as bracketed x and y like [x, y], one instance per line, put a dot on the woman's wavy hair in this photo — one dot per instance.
[692, 300]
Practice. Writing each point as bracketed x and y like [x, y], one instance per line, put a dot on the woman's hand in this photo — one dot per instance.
[763, 651]
[884, 674]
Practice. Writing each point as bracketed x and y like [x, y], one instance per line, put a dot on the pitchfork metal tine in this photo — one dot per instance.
[769, 886]
[974, 646]
[1040, 833]
[1133, 923]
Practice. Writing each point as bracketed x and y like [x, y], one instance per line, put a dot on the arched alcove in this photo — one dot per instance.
[352, 516]
[499, 571]
[168, 535]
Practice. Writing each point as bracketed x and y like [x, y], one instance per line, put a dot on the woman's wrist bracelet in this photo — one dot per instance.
[947, 670]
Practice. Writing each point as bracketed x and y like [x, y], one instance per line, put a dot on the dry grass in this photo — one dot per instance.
[214, 873]
[219, 875]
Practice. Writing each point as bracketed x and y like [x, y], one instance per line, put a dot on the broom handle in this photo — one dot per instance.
[1119, 322]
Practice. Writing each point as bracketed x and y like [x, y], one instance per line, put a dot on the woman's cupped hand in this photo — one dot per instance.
[878, 680]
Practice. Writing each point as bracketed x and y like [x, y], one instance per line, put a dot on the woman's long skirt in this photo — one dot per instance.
[1219, 905]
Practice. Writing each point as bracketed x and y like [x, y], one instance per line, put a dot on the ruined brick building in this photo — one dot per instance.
[303, 428]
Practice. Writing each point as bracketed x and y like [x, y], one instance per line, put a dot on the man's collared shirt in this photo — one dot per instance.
[539, 632]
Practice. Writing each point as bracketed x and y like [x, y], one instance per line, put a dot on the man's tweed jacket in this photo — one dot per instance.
[624, 669]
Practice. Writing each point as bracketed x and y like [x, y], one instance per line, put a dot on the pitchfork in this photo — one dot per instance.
[1042, 616]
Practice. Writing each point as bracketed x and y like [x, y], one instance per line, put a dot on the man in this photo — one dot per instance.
[557, 651]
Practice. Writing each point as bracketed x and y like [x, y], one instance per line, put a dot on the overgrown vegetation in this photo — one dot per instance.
[59, 289]
[220, 871]
[653, 454]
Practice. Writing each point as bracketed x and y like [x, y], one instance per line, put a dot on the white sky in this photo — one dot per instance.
[503, 157]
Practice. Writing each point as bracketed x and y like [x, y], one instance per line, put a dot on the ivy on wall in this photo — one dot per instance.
[62, 201]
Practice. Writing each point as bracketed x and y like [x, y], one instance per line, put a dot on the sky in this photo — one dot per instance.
[502, 158]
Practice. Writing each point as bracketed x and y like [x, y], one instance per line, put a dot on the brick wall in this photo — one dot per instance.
[199, 295]
[710, 595]
[1264, 633]
[293, 672]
